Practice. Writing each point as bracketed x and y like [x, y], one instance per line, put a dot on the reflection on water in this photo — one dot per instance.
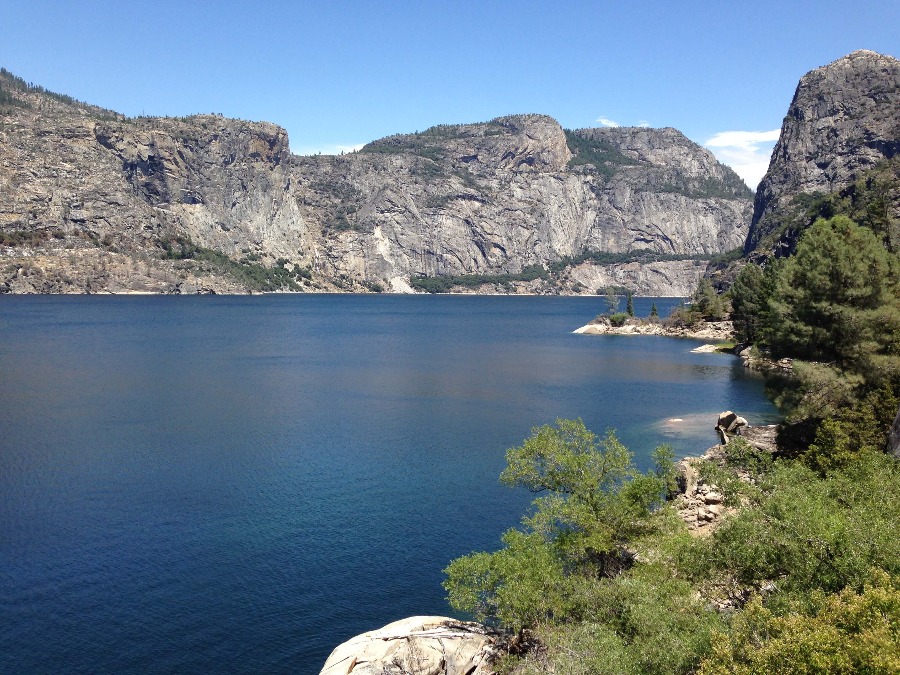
[689, 427]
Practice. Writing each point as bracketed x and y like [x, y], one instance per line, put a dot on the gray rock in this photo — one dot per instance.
[894, 436]
[424, 645]
[490, 198]
[843, 120]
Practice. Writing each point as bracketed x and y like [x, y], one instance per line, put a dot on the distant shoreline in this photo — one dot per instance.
[711, 330]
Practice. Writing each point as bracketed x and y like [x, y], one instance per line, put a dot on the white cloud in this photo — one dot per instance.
[643, 123]
[605, 121]
[747, 152]
[326, 149]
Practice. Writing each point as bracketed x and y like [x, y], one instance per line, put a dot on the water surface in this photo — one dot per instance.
[237, 484]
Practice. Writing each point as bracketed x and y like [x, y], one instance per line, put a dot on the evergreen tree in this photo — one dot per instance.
[748, 300]
[838, 299]
[707, 302]
[654, 313]
[612, 301]
[629, 308]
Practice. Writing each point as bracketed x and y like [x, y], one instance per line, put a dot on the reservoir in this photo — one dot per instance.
[238, 484]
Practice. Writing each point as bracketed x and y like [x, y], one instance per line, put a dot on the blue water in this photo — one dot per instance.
[237, 484]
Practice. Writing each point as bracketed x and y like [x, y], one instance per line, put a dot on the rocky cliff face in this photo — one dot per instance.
[90, 200]
[843, 121]
[498, 197]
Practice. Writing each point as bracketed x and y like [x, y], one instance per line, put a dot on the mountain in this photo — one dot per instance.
[93, 201]
[843, 126]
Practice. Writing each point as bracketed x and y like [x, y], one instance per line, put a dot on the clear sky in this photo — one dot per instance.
[338, 74]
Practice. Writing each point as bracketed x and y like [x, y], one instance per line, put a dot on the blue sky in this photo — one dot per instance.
[342, 73]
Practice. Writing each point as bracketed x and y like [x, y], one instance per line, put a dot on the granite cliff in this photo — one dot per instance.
[498, 197]
[842, 126]
[93, 201]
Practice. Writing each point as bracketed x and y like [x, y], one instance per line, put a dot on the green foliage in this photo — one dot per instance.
[871, 201]
[612, 301]
[805, 532]
[520, 585]
[683, 316]
[14, 238]
[603, 155]
[653, 311]
[858, 427]
[638, 255]
[643, 621]
[834, 307]
[618, 319]
[374, 286]
[846, 632]
[629, 305]
[10, 83]
[178, 247]
[838, 299]
[750, 295]
[341, 219]
[596, 503]
[445, 284]
[246, 271]
[707, 302]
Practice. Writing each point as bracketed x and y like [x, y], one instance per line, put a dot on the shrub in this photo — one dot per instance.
[847, 632]
[807, 532]
[618, 319]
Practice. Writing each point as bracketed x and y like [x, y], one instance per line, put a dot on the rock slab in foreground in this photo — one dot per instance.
[421, 645]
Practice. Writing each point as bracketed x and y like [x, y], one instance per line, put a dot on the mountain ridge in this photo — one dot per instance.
[83, 187]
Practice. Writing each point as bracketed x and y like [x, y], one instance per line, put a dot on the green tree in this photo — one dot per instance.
[838, 300]
[748, 300]
[629, 307]
[596, 503]
[612, 301]
[806, 532]
[707, 302]
[654, 313]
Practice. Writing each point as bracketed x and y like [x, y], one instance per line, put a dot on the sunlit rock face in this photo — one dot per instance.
[93, 201]
[844, 119]
[423, 645]
[497, 197]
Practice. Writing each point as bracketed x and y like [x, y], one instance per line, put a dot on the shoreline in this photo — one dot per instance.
[719, 331]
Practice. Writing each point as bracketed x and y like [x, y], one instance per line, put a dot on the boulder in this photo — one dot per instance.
[729, 423]
[726, 419]
[894, 436]
[422, 645]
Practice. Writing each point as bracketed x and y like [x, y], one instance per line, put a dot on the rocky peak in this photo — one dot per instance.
[843, 120]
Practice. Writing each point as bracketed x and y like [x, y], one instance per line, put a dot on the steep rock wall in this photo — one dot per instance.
[489, 198]
[843, 120]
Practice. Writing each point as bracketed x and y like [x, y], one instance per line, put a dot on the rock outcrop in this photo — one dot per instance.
[705, 330]
[424, 645]
[843, 121]
[203, 196]
[894, 436]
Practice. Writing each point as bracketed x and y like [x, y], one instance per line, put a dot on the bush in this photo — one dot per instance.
[806, 532]
[618, 319]
[847, 632]
[682, 317]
